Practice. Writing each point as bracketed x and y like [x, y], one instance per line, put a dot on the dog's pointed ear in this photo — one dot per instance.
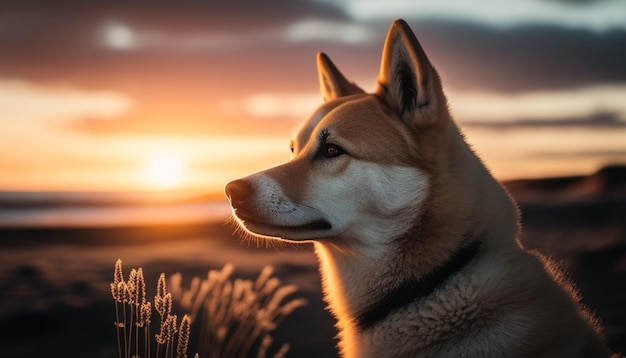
[407, 82]
[332, 83]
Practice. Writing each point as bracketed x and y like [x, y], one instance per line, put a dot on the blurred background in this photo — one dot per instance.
[120, 123]
[109, 96]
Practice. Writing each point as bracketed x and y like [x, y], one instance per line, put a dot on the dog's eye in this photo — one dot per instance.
[332, 151]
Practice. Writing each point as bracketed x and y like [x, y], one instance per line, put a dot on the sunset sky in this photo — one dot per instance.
[153, 95]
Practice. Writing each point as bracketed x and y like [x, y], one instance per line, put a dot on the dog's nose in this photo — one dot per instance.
[238, 190]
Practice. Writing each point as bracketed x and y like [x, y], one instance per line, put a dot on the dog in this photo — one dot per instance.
[417, 243]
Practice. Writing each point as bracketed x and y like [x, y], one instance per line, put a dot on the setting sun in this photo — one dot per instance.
[164, 171]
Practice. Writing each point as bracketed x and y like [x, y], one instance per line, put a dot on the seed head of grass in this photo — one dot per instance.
[161, 286]
[122, 292]
[118, 276]
[140, 286]
[144, 314]
[168, 328]
[131, 286]
[115, 293]
[183, 337]
[163, 299]
[166, 308]
[118, 287]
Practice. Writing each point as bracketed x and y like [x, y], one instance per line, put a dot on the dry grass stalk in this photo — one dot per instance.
[236, 315]
[183, 337]
[133, 314]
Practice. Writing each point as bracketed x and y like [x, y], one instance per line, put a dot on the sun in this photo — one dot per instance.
[164, 171]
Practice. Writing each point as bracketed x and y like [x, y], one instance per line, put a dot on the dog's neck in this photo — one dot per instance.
[414, 289]
[362, 292]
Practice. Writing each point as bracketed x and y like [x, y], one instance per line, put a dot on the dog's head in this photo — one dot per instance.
[362, 164]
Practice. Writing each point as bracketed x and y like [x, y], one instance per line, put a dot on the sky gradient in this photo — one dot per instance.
[100, 95]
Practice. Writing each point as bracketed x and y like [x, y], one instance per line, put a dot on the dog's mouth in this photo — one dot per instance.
[290, 232]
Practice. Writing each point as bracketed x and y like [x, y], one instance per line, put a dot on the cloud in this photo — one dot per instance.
[280, 105]
[120, 36]
[331, 31]
[596, 15]
[23, 103]
[616, 155]
[470, 56]
[123, 37]
[166, 43]
[488, 108]
[73, 23]
[182, 65]
[576, 2]
[605, 120]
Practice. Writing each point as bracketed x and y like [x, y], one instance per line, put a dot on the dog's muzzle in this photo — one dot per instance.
[242, 196]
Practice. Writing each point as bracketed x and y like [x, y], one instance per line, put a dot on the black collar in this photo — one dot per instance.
[415, 289]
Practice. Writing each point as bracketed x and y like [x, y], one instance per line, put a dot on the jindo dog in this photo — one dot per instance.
[417, 242]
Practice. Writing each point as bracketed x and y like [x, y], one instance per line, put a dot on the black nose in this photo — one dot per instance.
[238, 190]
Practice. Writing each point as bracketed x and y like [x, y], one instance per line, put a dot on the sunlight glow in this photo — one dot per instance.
[164, 171]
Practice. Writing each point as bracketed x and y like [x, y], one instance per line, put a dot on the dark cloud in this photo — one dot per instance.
[42, 42]
[38, 31]
[597, 120]
[232, 15]
[475, 57]
[63, 42]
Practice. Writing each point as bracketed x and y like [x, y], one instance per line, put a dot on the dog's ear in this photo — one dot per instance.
[332, 83]
[407, 82]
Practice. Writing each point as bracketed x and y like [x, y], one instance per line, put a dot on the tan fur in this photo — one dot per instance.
[405, 196]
